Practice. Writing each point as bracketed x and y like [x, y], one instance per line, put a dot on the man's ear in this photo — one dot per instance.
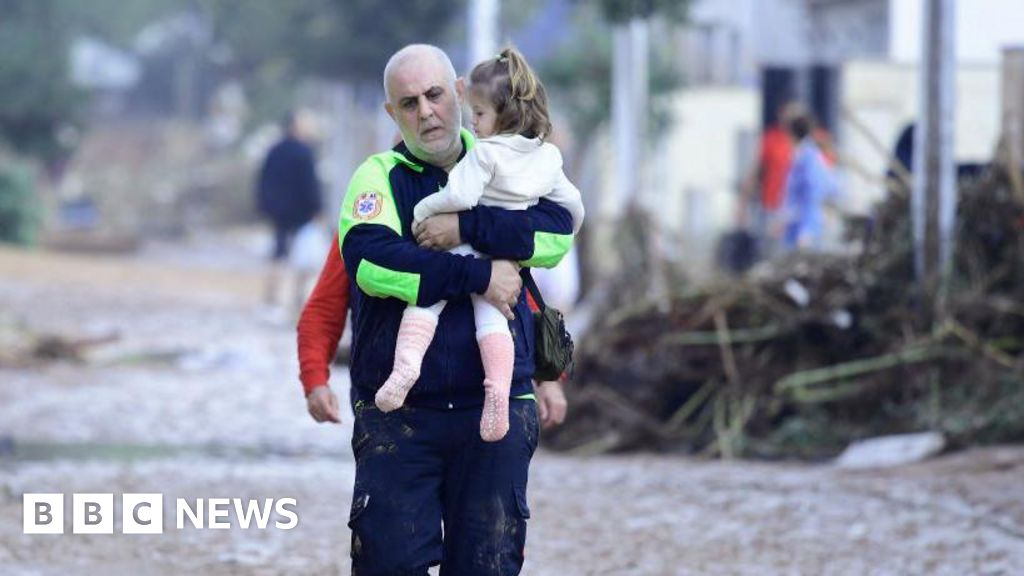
[460, 88]
[390, 110]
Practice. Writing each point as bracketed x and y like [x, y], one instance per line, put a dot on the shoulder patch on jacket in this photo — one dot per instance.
[367, 206]
[369, 198]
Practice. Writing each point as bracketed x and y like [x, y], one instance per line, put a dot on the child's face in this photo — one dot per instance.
[482, 114]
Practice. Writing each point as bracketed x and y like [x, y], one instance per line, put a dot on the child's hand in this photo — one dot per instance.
[439, 232]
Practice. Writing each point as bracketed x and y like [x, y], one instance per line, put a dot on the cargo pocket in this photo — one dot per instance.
[514, 536]
[521, 505]
[360, 433]
[532, 426]
[360, 500]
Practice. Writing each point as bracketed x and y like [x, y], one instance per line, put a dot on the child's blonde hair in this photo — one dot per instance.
[516, 93]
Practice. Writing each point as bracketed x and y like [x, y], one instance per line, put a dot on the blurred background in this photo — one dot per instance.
[796, 298]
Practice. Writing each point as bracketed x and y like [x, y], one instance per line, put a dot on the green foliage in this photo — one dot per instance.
[580, 77]
[35, 39]
[515, 15]
[616, 11]
[115, 21]
[353, 39]
[37, 92]
[272, 45]
[19, 206]
[335, 39]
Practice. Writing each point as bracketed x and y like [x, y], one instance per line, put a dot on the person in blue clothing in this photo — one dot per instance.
[428, 489]
[809, 185]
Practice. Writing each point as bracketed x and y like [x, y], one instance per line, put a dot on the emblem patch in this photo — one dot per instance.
[368, 206]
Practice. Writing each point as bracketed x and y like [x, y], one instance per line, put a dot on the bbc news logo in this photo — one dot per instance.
[144, 513]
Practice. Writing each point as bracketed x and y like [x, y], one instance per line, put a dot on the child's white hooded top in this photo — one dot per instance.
[505, 171]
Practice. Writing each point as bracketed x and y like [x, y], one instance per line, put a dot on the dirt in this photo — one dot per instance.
[198, 398]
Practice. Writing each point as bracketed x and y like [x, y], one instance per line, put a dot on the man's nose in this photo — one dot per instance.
[424, 107]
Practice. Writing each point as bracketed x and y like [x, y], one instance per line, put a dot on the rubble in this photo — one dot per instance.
[22, 347]
[889, 451]
[808, 353]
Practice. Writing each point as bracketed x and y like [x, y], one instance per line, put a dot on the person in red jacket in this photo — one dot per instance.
[319, 330]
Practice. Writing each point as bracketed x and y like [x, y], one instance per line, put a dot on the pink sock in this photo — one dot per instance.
[414, 336]
[498, 355]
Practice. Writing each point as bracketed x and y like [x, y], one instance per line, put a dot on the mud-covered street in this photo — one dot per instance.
[195, 394]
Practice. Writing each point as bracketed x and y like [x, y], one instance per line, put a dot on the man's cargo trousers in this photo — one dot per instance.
[419, 468]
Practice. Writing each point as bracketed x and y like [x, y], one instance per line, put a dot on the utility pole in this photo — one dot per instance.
[1012, 152]
[623, 116]
[933, 203]
[630, 103]
[483, 19]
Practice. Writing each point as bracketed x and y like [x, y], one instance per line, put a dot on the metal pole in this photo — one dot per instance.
[483, 30]
[639, 57]
[1013, 117]
[933, 203]
[623, 116]
[947, 141]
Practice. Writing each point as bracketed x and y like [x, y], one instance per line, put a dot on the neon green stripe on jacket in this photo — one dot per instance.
[369, 202]
[382, 282]
[548, 249]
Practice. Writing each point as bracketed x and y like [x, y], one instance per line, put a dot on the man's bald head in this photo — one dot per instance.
[424, 98]
[418, 55]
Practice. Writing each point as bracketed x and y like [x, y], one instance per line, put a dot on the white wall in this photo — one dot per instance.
[693, 177]
[983, 27]
[884, 96]
[697, 170]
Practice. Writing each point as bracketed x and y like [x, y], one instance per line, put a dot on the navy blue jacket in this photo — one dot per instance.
[389, 271]
[288, 191]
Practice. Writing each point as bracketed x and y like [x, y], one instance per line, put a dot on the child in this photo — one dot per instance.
[808, 187]
[510, 167]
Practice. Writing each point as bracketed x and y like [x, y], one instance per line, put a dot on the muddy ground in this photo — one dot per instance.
[197, 396]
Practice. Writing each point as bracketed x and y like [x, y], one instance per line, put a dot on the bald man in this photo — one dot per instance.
[425, 466]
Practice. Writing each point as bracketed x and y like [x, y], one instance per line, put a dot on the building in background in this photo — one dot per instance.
[853, 62]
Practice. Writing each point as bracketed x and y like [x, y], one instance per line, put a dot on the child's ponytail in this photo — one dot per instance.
[521, 78]
[516, 93]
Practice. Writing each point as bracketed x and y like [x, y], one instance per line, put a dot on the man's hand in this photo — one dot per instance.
[439, 232]
[551, 403]
[322, 404]
[503, 290]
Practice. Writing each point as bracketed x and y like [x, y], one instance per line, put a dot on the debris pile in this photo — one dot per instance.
[805, 354]
[21, 348]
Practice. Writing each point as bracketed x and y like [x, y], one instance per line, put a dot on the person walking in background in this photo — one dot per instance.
[288, 195]
[763, 189]
[808, 186]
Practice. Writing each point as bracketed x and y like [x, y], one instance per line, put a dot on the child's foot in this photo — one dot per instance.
[391, 396]
[497, 352]
[414, 336]
[494, 420]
